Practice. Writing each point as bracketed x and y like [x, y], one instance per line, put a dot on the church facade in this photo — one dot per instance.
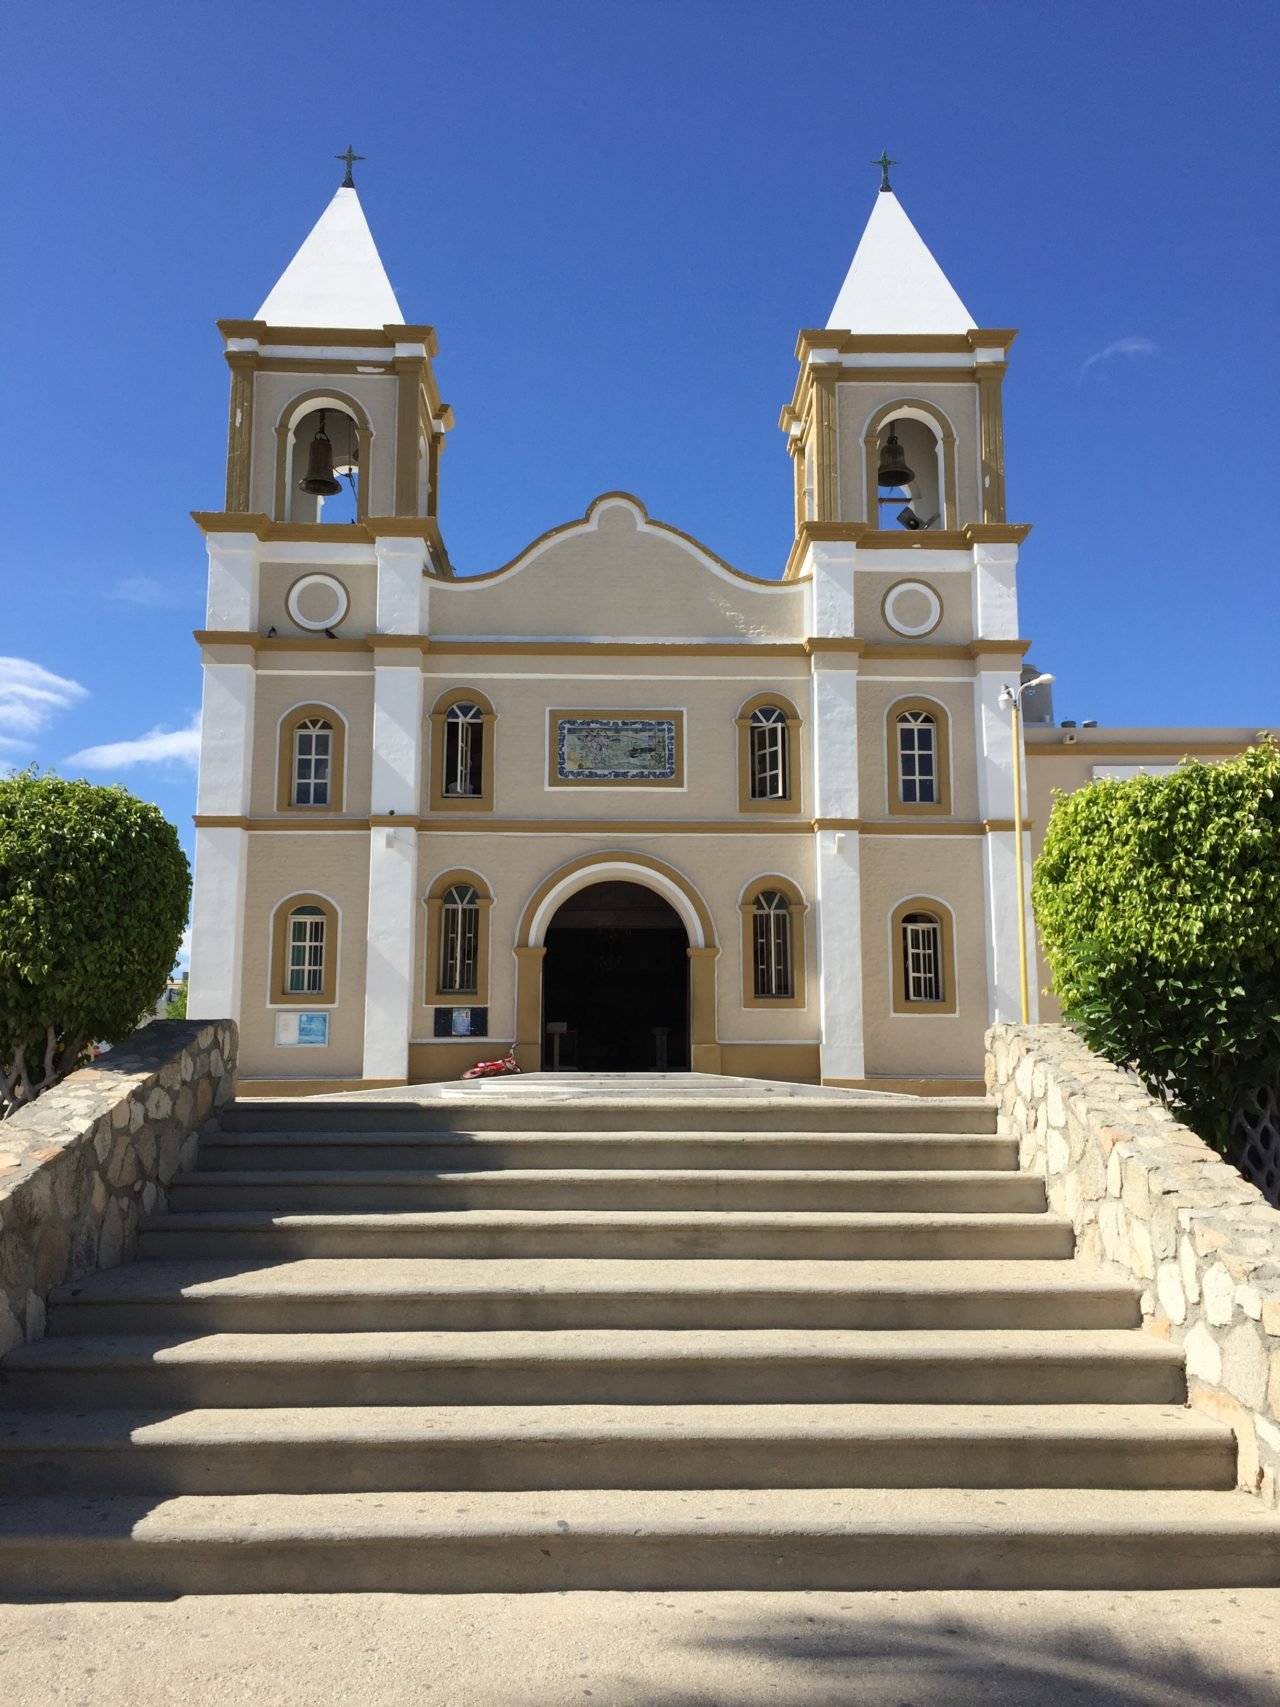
[615, 804]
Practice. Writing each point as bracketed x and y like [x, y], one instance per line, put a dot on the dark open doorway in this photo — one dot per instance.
[615, 983]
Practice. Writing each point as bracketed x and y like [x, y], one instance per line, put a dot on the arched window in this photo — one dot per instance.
[462, 753]
[312, 759]
[922, 958]
[919, 760]
[772, 944]
[464, 749]
[304, 952]
[924, 979]
[459, 940]
[457, 945]
[312, 743]
[768, 755]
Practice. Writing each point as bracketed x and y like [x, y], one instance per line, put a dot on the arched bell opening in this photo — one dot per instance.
[324, 472]
[910, 468]
[615, 982]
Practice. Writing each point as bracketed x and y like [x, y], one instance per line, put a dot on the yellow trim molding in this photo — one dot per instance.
[337, 760]
[941, 807]
[797, 907]
[440, 801]
[946, 934]
[793, 800]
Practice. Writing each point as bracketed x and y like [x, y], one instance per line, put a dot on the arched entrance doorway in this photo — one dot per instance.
[615, 982]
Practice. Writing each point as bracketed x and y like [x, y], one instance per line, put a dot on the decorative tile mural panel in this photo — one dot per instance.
[616, 749]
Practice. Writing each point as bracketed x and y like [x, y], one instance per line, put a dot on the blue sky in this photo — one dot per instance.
[618, 217]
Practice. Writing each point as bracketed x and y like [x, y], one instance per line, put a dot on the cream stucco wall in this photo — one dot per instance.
[376, 393]
[333, 864]
[615, 577]
[947, 869]
[359, 579]
[877, 754]
[347, 686]
[857, 402]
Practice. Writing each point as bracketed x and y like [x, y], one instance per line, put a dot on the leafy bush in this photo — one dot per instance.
[93, 897]
[1158, 904]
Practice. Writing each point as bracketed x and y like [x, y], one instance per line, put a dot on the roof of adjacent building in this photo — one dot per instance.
[337, 278]
[894, 284]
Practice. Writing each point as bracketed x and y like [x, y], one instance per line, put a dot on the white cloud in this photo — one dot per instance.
[160, 746]
[1120, 347]
[30, 696]
[149, 590]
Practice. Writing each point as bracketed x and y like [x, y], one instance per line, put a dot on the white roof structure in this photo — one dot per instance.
[894, 284]
[337, 278]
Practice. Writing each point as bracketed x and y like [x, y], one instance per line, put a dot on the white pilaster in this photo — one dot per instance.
[995, 592]
[222, 852]
[217, 923]
[388, 1002]
[393, 858]
[233, 582]
[402, 586]
[995, 801]
[839, 934]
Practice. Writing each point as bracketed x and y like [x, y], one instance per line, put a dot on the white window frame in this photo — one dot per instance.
[773, 960]
[912, 750]
[923, 973]
[313, 771]
[460, 941]
[463, 767]
[306, 948]
[769, 753]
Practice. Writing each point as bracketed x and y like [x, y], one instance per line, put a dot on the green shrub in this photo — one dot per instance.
[93, 898]
[1158, 904]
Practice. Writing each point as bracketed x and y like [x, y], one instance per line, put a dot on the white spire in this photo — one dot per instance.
[894, 284]
[337, 277]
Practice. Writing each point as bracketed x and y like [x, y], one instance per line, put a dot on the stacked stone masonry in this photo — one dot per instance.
[88, 1159]
[1146, 1194]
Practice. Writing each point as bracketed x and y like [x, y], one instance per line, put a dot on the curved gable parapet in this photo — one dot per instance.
[616, 573]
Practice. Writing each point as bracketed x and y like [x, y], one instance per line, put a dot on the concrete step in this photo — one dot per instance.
[574, 1112]
[628, 1366]
[583, 1233]
[407, 1448]
[609, 1188]
[882, 1538]
[309, 1294]
[471, 1152]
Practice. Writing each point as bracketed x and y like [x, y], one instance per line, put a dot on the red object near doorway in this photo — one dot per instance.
[493, 1069]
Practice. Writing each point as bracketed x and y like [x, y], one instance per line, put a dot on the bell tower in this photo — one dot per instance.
[320, 569]
[896, 435]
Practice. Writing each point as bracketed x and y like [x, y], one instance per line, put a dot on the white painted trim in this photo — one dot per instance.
[393, 920]
[615, 871]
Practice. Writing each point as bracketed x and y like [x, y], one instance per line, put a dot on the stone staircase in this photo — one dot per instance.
[541, 1336]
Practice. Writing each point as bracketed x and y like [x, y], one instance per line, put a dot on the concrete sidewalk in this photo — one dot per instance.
[1217, 1648]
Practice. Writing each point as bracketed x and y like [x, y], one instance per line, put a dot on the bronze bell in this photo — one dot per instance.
[893, 464]
[319, 478]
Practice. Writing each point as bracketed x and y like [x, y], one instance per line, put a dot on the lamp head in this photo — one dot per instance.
[1008, 699]
[1038, 682]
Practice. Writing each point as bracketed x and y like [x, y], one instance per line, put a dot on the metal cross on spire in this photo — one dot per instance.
[349, 183]
[884, 164]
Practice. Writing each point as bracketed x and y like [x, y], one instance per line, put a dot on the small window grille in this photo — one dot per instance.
[306, 951]
[771, 927]
[312, 762]
[459, 941]
[770, 757]
[922, 958]
[464, 749]
[918, 759]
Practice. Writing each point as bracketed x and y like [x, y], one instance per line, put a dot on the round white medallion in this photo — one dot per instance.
[317, 601]
[912, 608]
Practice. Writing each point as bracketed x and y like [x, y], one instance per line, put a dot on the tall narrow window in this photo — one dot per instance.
[771, 941]
[917, 759]
[922, 958]
[770, 755]
[459, 941]
[305, 974]
[464, 749]
[312, 762]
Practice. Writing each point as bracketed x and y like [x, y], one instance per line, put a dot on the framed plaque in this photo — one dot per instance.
[617, 749]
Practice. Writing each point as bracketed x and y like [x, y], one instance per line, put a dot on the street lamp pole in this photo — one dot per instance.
[1011, 699]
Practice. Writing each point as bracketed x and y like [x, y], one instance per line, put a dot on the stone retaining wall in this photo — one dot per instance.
[1146, 1194]
[90, 1157]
